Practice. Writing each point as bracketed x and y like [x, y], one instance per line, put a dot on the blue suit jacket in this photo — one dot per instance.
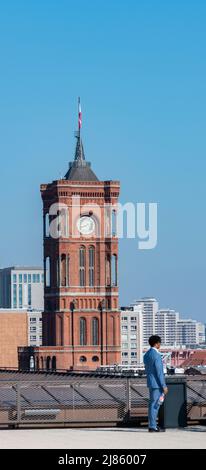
[154, 369]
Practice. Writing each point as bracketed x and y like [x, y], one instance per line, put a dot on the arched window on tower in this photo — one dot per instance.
[64, 222]
[68, 269]
[91, 265]
[83, 331]
[58, 264]
[114, 270]
[46, 225]
[108, 270]
[48, 362]
[54, 365]
[64, 270]
[113, 330]
[82, 266]
[95, 331]
[47, 274]
[114, 223]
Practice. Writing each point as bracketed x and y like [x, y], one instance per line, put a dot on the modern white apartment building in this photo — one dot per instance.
[22, 287]
[201, 333]
[150, 308]
[166, 326]
[132, 335]
[189, 332]
[34, 328]
[174, 331]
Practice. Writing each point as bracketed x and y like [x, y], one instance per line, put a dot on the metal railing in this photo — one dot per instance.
[84, 400]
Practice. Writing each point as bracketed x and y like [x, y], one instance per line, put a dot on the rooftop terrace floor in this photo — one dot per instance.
[103, 438]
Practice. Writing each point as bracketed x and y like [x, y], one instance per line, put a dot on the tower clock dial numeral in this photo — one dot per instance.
[86, 225]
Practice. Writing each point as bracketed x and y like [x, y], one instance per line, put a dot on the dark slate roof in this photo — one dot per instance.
[80, 169]
[80, 173]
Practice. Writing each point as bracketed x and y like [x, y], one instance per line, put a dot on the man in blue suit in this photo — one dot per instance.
[155, 380]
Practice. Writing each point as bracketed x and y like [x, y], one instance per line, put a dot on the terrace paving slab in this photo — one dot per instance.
[103, 438]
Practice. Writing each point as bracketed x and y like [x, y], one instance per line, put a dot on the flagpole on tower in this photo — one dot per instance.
[79, 116]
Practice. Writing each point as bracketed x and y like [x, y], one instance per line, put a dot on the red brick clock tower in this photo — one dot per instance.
[81, 319]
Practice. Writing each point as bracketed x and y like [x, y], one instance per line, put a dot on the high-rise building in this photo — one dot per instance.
[81, 318]
[22, 287]
[150, 307]
[166, 326]
[200, 333]
[174, 331]
[188, 332]
[131, 335]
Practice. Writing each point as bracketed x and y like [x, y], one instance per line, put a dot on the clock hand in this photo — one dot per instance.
[84, 223]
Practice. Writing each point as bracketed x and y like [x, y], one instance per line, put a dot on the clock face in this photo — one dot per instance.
[86, 225]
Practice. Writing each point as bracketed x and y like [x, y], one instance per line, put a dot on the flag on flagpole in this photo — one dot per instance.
[79, 115]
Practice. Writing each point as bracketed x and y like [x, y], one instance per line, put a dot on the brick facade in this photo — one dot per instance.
[13, 333]
[65, 305]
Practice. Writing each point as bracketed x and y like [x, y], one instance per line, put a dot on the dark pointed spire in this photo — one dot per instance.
[79, 153]
[79, 169]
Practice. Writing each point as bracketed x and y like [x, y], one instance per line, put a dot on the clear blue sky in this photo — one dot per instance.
[140, 69]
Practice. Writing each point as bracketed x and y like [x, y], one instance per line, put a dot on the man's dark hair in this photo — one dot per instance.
[154, 339]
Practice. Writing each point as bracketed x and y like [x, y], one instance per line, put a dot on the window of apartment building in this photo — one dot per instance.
[14, 278]
[124, 345]
[42, 278]
[14, 295]
[124, 338]
[124, 354]
[32, 328]
[124, 327]
[133, 327]
[29, 295]
[29, 277]
[124, 318]
[133, 345]
[33, 338]
[33, 319]
[25, 278]
[133, 362]
[133, 318]
[125, 362]
[36, 278]
[133, 336]
[20, 278]
[133, 354]
[20, 296]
